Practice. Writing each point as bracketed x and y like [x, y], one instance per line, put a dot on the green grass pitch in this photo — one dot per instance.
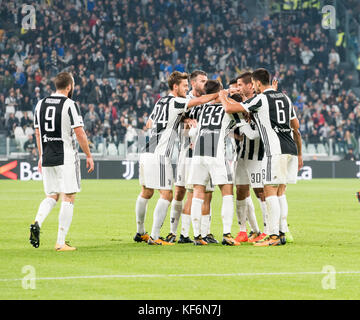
[324, 218]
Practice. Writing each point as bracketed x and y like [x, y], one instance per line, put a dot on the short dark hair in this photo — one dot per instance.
[196, 73]
[261, 75]
[237, 97]
[62, 80]
[245, 77]
[232, 81]
[213, 86]
[175, 78]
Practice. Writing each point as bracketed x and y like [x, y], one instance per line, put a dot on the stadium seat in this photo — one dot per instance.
[112, 150]
[122, 150]
[100, 148]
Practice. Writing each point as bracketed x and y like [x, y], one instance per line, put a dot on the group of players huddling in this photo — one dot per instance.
[261, 123]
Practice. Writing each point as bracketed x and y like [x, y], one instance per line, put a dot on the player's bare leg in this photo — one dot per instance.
[140, 210]
[65, 219]
[44, 209]
[227, 214]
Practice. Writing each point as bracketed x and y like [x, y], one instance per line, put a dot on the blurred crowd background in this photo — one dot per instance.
[121, 53]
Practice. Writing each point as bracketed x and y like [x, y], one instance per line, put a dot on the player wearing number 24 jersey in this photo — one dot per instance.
[155, 162]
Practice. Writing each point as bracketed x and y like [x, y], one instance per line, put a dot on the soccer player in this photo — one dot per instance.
[248, 171]
[198, 79]
[209, 162]
[276, 120]
[156, 172]
[57, 122]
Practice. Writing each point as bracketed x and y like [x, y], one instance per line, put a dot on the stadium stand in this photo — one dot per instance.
[121, 52]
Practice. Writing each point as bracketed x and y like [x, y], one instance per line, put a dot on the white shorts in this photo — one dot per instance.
[204, 169]
[182, 171]
[62, 179]
[155, 172]
[249, 172]
[280, 169]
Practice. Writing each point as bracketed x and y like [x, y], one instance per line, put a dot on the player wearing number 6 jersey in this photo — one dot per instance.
[278, 126]
[57, 122]
[156, 172]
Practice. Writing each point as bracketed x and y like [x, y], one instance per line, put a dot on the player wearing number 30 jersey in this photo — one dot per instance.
[278, 126]
[58, 124]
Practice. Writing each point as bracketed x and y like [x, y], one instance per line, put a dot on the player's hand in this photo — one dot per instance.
[300, 163]
[275, 84]
[39, 166]
[193, 123]
[90, 164]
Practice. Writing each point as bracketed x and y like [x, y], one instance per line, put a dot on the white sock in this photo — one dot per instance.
[140, 209]
[185, 224]
[196, 205]
[283, 213]
[264, 211]
[251, 215]
[241, 214]
[44, 209]
[273, 206]
[176, 209]
[227, 213]
[204, 228]
[159, 217]
[65, 218]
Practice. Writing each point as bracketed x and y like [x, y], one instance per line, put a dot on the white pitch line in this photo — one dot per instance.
[185, 275]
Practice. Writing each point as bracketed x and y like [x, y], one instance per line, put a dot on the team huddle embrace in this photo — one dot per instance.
[260, 124]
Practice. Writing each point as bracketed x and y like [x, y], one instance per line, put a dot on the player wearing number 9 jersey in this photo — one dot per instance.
[58, 124]
[278, 126]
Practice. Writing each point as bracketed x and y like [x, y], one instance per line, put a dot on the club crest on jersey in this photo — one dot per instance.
[50, 139]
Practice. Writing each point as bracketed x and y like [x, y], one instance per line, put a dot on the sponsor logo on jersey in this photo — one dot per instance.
[50, 139]
[283, 130]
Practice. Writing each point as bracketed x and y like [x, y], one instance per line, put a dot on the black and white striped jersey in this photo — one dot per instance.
[56, 116]
[273, 111]
[214, 126]
[165, 117]
[249, 147]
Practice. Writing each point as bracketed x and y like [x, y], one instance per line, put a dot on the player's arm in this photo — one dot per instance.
[84, 145]
[202, 100]
[37, 136]
[294, 123]
[77, 124]
[249, 132]
[149, 124]
[230, 105]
